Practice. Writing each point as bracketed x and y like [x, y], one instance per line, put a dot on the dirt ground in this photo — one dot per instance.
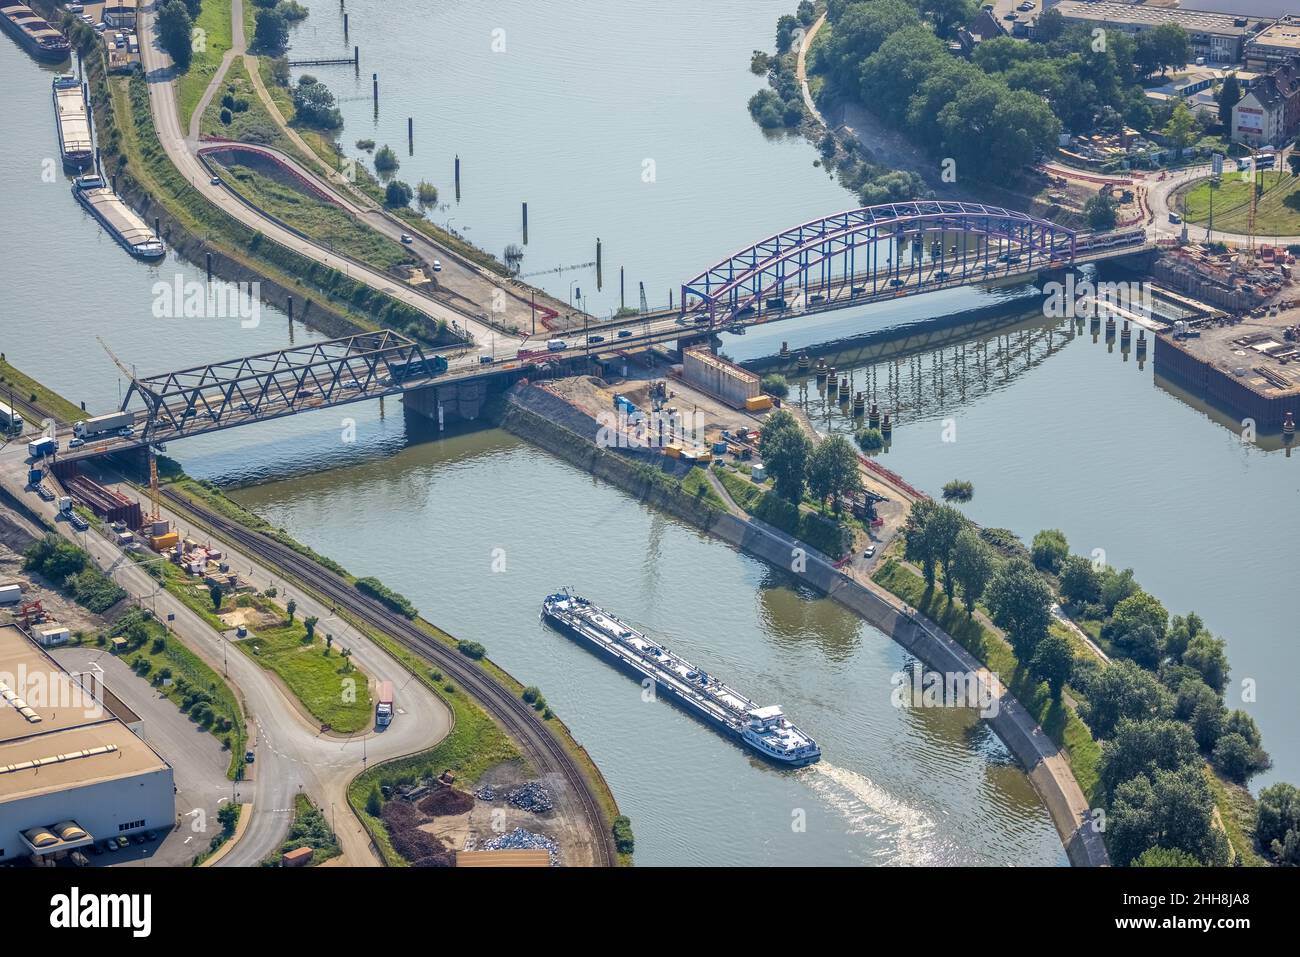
[15, 535]
[487, 819]
[250, 618]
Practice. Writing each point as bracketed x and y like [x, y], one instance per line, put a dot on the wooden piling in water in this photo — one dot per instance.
[410, 136]
[598, 266]
[525, 224]
[458, 177]
[374, 79]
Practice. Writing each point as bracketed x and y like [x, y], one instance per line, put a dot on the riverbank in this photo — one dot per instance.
[557, 426]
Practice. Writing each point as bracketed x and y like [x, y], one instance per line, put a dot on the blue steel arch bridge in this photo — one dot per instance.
[882, 252]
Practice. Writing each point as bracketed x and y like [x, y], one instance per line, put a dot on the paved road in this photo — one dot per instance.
[162, 105]
[291, 752]
[1159, 193]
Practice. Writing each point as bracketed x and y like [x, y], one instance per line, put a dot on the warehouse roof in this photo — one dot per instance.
[1193, 21]
[53, 735]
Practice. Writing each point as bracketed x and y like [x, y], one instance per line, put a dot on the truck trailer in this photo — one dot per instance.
[39, 448]
[112, 422]
[384, 705]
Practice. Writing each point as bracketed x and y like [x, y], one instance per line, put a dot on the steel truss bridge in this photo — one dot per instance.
[270, 385]
[882, 252]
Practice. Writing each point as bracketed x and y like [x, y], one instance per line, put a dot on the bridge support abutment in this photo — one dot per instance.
[454, 402]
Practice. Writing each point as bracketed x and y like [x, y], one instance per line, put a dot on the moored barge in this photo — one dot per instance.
[33, 32]
[122, 223]
[72, 118]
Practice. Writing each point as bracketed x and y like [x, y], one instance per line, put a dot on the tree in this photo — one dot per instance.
[1102, 212]
[397, 194]
[386, 160]
[374, 801]
[1233, 758]
[310, 625]
[942, 527]
[917, 545]
[1144, 747]
[313, 103]
[1021, 604]
[174, 33]
[947, 15]
[1050, 26]
[785, 27]
[270, 32]
[1080, 580]
[1053, 661]
[870, 440]
[1277, 822]
[1123, 691]
[1049, 549]
[1116, 586]
[972, 567]
[776, 384]
[958, 490]
[833, 471]
[1182, 629]
[785, 452]
[1205, 653]
[216, 593]
[1181, 130]
[1207, 721]
[291, 608]
[1164, 857]
[1228, 96]
[1170, 45]
[1137, 627]
[1170, 809]
[426, 193]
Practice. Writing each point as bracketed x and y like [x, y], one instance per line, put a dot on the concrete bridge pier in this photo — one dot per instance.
[453, 402]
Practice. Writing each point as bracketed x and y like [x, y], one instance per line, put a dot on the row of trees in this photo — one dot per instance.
[828, 470]
[885, 54]
[1158, 708]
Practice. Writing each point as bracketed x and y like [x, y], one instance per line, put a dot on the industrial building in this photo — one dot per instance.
[120, 14]
[1274, 45]
[72, 770]
[719, 378]
[1218, 37]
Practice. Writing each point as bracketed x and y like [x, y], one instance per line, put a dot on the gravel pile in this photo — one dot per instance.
[485, 792]
[531, 797]
[519, 840]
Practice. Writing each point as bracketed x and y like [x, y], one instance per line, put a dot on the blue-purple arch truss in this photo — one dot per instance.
[849, 256]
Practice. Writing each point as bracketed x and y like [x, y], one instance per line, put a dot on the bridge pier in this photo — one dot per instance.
[454, 402]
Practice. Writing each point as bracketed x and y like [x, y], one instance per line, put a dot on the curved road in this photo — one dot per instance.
[163, 107]
[292, 754]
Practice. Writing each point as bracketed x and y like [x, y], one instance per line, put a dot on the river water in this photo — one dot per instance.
[1092, 447]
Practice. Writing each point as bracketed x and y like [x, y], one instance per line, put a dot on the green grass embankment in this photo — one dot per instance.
[26, 389]
[212, 32]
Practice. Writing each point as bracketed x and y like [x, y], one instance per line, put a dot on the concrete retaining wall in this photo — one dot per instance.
[559, 427]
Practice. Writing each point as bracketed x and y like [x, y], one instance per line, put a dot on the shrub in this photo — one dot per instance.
[623, 839]
[776, 385]
[471, 649]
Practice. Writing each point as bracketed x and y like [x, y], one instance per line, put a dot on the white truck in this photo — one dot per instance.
[112, 422]
[384, 704]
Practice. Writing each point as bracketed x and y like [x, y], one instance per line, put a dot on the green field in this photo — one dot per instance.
[321, 220]
[253, 125]
[214, 21]
[1278, 211]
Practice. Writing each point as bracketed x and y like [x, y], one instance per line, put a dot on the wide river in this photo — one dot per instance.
[1053, 430]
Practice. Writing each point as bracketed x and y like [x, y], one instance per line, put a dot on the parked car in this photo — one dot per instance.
[248, 757]
[437, 266]
[122, 841]
[870, 552]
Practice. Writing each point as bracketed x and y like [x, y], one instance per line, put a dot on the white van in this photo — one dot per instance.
[556, 345]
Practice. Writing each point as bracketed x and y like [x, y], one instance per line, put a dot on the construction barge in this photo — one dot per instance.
[122, 223]
[73, 121]
[765, 730]
[34, 33]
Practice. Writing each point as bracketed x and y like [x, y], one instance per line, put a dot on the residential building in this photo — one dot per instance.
[1269, 112]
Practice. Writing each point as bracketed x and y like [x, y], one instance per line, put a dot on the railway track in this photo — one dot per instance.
[544, 752]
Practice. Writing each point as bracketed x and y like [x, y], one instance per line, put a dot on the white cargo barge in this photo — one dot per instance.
[73, 121]
[118, 218]
[765, 730]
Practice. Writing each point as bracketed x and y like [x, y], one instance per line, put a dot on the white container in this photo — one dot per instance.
[10, 594]
[53, 636]
[758, 473]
